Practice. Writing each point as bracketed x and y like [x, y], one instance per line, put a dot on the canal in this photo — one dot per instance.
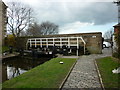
[13, 67]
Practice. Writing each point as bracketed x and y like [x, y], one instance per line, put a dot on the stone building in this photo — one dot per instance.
[3, 22]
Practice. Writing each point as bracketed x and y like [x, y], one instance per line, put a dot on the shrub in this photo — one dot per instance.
[10, 40]
[116, 55]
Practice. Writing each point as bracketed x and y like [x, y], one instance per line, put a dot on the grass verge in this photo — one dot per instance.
[47, 75]
[106, 65]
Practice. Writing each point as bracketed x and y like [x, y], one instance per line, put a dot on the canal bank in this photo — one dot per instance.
[15, 66]
[43, 75]
[10, 55]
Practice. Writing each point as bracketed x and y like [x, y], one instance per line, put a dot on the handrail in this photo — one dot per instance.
[35, 40]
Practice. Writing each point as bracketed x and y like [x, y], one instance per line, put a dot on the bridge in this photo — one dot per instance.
[69, 44]
[59, 42]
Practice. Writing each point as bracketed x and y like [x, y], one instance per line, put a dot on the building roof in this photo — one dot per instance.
[67, 35]
[118, 25]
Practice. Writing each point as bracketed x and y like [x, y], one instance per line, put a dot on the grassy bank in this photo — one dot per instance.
[47, 75]
[106, 65]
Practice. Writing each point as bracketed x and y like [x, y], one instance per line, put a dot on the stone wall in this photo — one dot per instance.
[93, 40]
[94, 43]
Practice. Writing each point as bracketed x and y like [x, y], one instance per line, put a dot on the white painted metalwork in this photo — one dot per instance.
[60, 42]
[35, 42]
[47, 42]
[30, 43]
[84, 44]
[53, 41]
[57, 41]
[41, 42]
[69, 42]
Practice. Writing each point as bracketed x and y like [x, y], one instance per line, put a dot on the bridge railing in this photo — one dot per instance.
[56, 41]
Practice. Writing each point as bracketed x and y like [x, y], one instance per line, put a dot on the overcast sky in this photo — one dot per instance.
[78, 16]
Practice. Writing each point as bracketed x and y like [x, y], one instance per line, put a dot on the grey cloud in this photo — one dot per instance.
[61, 13]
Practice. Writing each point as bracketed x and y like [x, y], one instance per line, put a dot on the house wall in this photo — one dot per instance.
[3, 21]
[114, 44]
[0, 23]
[116, 31]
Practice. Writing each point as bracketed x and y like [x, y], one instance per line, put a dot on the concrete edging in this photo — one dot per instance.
[65, 79]
[99, 75]
[9, 56]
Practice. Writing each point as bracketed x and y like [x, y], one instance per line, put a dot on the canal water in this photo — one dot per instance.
[13, 67]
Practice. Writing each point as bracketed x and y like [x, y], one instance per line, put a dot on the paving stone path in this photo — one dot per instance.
[84, 74]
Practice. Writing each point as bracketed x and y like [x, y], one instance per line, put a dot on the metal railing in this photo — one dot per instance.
[57, 41]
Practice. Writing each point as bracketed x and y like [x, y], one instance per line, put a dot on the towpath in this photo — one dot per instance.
[84, 73]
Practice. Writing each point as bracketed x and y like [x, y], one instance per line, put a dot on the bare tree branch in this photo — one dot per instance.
[45, 28]
[108, 34]
[18, 18]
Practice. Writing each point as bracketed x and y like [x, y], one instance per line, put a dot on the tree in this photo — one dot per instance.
[18, 18]
[34, 30]
[48, 28]
[108, 34]
[10, 40]
[45, 28]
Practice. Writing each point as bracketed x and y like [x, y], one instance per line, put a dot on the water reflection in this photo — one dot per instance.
[15, 66]
[13, 72]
